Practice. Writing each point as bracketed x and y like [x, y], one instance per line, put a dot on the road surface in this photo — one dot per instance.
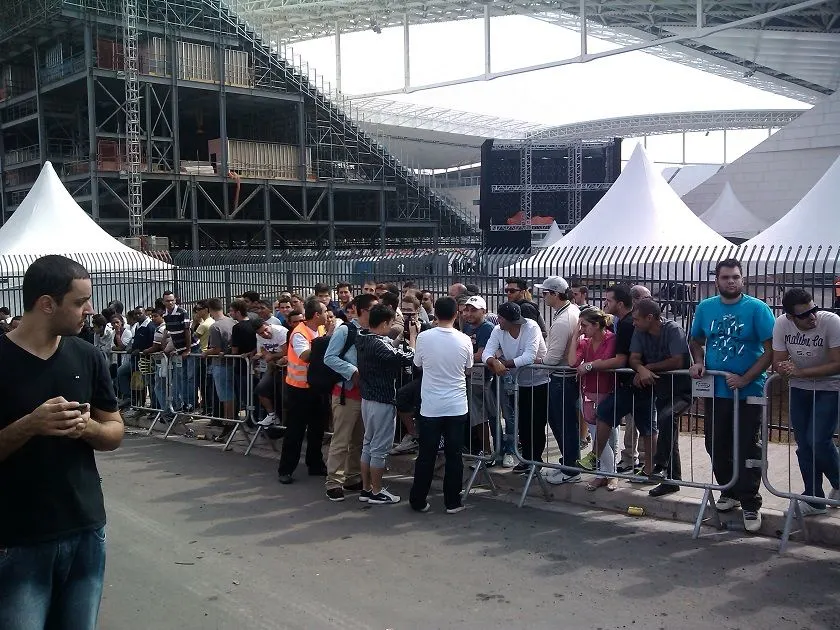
[199, 539]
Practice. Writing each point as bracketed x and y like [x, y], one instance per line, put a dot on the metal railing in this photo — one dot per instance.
[548, 392]
[813, 428]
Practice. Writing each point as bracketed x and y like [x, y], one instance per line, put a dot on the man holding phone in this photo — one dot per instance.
[58, 408]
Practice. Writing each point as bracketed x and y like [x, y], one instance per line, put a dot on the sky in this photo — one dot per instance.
[622, 85]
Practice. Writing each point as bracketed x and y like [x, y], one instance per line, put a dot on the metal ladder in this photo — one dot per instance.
[132, 119]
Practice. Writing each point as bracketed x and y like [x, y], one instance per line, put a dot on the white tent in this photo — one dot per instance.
[639, 226]
[728, 217]
[553, 235]
[49, 221]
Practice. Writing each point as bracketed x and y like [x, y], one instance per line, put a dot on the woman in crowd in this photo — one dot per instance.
[595, 341]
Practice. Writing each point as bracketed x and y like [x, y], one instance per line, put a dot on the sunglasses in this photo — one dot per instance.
[548, 292]
[513, 290]
[807, 313]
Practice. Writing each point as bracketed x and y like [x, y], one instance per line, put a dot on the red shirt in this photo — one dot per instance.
[597, 382]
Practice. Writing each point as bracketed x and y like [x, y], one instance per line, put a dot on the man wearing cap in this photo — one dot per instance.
[482, 395]
[515, 343]
[563, 388]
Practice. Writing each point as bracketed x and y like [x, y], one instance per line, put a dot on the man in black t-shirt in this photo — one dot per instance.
[58, 407]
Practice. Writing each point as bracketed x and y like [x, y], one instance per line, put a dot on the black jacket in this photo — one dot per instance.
[380, 364]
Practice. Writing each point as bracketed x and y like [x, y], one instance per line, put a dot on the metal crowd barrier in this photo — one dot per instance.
[484, 445]
[214, 388]
[539, 402]
[825, 422]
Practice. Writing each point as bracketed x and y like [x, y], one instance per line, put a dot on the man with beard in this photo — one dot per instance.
[58, 408]
[733, 332]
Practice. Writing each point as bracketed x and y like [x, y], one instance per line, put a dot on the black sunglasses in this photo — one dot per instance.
[513, 290]
[807, 313]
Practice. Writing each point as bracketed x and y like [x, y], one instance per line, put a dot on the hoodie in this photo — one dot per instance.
[380, 364]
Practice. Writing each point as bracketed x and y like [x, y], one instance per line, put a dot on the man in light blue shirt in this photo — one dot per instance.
[733, 332]
[345, 454]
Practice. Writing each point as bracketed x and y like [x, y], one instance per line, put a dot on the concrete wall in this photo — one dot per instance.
[465, 196]
[775, 175]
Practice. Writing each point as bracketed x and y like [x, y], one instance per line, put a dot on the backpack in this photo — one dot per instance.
[319, 376]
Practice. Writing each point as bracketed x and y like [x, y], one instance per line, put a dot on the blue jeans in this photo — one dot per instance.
[508, 387]
[183, 382]
[563, 397]
[813, 417]
[53, 585]
[124, 379]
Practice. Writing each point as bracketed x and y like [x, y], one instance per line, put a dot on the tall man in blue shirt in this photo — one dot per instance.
[733, 332]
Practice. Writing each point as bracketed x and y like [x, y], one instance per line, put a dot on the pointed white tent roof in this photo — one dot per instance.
[641, 209]
[811, 223]
[49, 221]
[728, 217]
[553, 235]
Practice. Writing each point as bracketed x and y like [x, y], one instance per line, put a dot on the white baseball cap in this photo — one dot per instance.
[553, 283]
[476, 301]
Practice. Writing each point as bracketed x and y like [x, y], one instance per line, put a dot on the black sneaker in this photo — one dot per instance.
[625, 469]
[662, 489]
[364, 496]
[335, 494]
[285, 479]
[520, 469]
[383, 497]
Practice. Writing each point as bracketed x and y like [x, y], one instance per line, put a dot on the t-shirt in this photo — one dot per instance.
[220, 334]
[202, 331]
[50, 488]
[734, 335]
[179, 324]
[444, 355]
[670, 342]
[809, 348]
[243, 338]
[272, 345]
[479, 336]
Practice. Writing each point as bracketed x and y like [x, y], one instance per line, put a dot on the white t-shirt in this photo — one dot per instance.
[444, 354]
[278, 338]
[809, 348]
[522, 350]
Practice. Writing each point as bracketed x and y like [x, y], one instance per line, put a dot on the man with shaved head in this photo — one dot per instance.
[457, 290]
[639, 292]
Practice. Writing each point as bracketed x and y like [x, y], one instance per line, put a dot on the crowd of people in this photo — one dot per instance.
[392, 371]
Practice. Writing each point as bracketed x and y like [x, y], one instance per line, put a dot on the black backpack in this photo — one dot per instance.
[320, 377]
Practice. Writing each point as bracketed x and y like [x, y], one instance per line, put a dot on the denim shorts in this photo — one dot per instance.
[223, 380]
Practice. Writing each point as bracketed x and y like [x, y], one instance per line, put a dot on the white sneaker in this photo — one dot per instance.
[562, 478]
[455, 510]
[724, 504]
[408, 445]
[752, 521]
[806, 509]
[268, 420]
[508, 461]
[383, 497]
[834, 495]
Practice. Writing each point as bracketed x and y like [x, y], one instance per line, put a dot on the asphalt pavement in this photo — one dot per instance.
[199, 539]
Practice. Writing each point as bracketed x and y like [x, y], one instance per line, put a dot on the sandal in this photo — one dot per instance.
[598, 482]
[612, 484]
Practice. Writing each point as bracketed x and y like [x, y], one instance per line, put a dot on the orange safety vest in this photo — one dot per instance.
[297, 369]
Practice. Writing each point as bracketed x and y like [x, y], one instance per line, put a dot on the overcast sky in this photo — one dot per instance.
[623, 85]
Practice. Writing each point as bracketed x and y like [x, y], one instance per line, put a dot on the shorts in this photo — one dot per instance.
[408, 397]
[223, 381]
[483, 405]
[267, 386]
[629, 400]
[588, 404]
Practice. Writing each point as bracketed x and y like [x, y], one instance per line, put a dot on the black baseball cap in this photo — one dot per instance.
[510, 312]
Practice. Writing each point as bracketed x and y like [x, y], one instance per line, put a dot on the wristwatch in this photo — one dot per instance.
[588, 367]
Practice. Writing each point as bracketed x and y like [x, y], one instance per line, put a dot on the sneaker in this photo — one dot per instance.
[335, 494]
[562, 478]
[521, 469]
[724, 504]
[806, 509]
[588, 463]
[455, 510]
[584, 442]
[383, 497]
[408, 445]
[662, 489]
[628, 468]
[423, 509]
[508, 461]
[285, 479]
[364, 496]
[752, 521]
[267, 421]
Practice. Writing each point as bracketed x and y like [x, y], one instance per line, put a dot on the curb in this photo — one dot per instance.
[673, 507]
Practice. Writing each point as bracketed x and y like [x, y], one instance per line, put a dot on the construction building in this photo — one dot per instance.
[174, 118]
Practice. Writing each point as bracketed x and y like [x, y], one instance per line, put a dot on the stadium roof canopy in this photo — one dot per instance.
[789, 47]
